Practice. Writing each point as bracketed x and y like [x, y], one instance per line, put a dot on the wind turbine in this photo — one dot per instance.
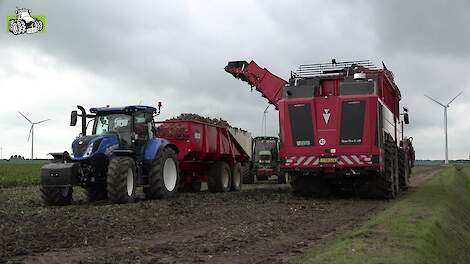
[31, 132]
[446, 106]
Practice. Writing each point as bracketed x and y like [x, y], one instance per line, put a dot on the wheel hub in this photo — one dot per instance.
[170, 174]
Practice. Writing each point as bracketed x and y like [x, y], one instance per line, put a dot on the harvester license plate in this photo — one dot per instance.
[328, 160]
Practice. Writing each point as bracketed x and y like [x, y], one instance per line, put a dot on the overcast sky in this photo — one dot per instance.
[96, 53]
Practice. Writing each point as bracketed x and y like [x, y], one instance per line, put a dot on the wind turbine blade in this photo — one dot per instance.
[25, 117]
[435, 100]
[30, 130]
[454, 98]
[41, 121]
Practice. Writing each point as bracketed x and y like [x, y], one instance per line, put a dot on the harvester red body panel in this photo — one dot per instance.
[201, 144]
[323, 147]
[334, 117]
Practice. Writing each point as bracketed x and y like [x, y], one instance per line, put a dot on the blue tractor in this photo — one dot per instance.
[121, 154]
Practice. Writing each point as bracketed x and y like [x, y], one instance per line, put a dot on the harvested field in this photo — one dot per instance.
[258, 225]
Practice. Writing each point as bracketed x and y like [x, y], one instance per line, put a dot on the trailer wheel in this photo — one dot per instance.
[164, 175]
[96, 193]
[219, 179]
[236, 177]
[121, 180]
[56, 196]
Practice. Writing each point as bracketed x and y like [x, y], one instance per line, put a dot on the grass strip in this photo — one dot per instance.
[431, 225]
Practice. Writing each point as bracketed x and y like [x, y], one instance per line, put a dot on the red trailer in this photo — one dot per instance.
[208, 153]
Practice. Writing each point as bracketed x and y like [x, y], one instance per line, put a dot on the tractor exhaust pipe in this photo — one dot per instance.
[83, 115]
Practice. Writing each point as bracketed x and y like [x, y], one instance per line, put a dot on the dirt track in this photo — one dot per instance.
[266, 225]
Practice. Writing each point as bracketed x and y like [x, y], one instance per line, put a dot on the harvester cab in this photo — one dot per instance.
[121, 154]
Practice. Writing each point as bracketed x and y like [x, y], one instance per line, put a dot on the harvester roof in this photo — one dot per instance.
[123, 109]
[335, 70]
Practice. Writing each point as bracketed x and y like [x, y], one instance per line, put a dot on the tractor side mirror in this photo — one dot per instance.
[406, 118]
[73, 118]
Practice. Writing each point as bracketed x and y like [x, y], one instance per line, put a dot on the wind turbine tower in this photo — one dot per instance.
[31, 132]
[446, 106]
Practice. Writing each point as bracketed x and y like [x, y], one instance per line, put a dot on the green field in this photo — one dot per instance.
[19, 173]
[431, 225]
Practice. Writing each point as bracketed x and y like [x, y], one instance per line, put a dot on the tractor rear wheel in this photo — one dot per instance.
[164, 175]
[219, 178]
[96, 193]
[121, 180]
[403, 166]
[236, 177]
[56, 196]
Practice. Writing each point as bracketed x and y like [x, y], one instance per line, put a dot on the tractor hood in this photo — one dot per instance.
[88, 146]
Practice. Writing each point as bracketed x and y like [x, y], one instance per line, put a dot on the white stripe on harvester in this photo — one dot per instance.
[348, 161]
[356, 159]
[317, 160]
[340, 162]
[299, 160]
[307, 162]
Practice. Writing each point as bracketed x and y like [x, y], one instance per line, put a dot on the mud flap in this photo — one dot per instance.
[59, 174]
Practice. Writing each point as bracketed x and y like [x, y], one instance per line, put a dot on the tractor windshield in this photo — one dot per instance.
[117, 123]
[269, 145]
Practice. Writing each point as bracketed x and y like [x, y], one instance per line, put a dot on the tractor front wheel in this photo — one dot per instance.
[164, 175]
[121, 180]
[56, 195]
[220, 177]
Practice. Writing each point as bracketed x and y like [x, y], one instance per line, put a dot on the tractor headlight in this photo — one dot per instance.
[89, 150]
[92, 148]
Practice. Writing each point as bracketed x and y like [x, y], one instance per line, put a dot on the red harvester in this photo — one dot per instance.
[340, 126]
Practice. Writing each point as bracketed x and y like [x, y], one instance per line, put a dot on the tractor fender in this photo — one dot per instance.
[153, 146]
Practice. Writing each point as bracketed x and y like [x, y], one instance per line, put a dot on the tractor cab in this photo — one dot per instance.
[265, 157]
[121, 154]
[125, 129]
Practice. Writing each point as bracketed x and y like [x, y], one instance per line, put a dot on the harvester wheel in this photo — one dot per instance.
[39, 24]
[219, 178]
[236, 177]
[121, 180]
[96, 193]
[282, 177]
[164, 175]
[21, 27]
[386, 183]
[403, 165]
[14, 27]
[56, 196]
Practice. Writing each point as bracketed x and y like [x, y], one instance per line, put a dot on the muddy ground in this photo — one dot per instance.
[263, 224]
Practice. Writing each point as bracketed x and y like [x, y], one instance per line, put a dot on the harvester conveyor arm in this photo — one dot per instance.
[268, 84]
